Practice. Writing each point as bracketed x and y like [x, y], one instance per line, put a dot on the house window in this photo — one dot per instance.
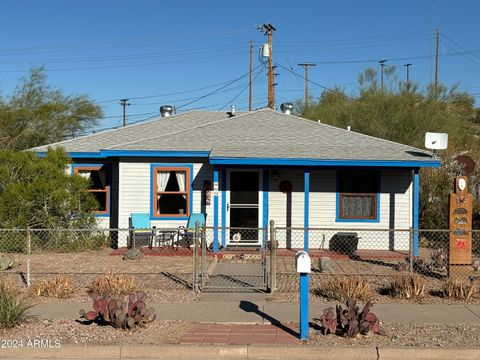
[99, 185]
[357, 195]
[171, 189]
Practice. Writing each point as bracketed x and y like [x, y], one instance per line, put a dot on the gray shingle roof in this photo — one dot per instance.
[259, 134]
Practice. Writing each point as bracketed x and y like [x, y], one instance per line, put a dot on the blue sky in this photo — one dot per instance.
[143, 49]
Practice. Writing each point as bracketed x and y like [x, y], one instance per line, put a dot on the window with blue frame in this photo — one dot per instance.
[171, 191]
[357, 195]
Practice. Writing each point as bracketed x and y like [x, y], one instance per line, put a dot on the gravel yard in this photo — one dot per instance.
[68, 331]
[407, 335]
[168, 332]
[163, 278]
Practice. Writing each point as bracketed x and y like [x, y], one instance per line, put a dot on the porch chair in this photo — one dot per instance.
[142, 230]
[185, 234]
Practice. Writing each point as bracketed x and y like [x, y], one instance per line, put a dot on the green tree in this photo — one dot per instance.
[36, 114]
[404, 114]
[39, 193]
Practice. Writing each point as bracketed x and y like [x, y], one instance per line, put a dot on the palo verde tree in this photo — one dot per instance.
[36, 114]
[39, 193]
[403, 113]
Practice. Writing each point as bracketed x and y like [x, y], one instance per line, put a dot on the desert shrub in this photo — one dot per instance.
[113, 284]
[60, 287]
[343, 288]
[409, 286]
[13, 308]
[10, 284]
[459, 289]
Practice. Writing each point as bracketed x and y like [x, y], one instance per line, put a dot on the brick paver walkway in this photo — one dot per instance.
[240, 334]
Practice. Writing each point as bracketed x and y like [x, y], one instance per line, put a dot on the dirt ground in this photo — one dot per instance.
[164, 278]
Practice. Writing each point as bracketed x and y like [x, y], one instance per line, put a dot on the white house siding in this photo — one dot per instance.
[281, 208]
[134, 191]
[322, 211]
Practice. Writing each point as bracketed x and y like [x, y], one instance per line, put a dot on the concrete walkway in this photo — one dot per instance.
[254, 310]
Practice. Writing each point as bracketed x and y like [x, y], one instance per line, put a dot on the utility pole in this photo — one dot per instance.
[250, 80]
[382, 65]
[306, 65]
[268, 30]
[407, 66]
[436, 60]
[124, 103]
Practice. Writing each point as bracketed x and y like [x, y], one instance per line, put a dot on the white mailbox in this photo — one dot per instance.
[303, 263]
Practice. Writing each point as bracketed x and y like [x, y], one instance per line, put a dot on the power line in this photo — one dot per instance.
[245, 88]
[109, 67]
[103, 45]
[217, 90]
[313, 82]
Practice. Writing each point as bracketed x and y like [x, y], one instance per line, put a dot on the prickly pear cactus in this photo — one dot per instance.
[119, 312]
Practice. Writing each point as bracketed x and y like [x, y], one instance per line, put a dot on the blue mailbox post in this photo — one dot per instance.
[303, 264]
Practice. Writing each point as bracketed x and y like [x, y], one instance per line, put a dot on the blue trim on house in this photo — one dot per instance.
[306, 207]
[337, 204]
[265, 190]
[416, 197]
[72, 171]
[224, 207]
[215, 211]
[322, 162]
[152, 174]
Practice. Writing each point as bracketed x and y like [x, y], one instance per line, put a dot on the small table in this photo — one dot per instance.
[162, 237]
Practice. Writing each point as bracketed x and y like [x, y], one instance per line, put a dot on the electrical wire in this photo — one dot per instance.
[215, 91]
[245, 88]
[313, 82]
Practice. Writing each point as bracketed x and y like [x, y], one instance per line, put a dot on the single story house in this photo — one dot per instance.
[243, 170]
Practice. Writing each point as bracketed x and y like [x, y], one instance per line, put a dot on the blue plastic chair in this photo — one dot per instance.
[185, 234]
[140, 224]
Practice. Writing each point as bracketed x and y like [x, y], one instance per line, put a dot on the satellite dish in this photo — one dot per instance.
[468, 165]
[436, 141]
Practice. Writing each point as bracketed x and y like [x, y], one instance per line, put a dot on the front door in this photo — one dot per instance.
[243, 207]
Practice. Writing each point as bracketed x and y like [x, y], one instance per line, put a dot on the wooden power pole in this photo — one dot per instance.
[268, 30]
[306, 65]
[124, 103]
[250, 80]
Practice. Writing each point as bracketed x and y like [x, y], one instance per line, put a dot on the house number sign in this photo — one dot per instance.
[460, 252]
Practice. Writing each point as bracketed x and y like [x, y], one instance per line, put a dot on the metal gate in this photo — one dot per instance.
[237, 267]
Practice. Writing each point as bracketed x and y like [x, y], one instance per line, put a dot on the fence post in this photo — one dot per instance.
[195, 258]
[410, 249]
[273, 257]
[29, 251]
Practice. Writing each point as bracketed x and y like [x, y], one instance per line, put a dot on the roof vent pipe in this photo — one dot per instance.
[348, 128]
[232, 109]
[287, 108]
[166, 110]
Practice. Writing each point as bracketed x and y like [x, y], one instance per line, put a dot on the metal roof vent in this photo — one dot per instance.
[166, 110]
[287, 108]
[232, 111]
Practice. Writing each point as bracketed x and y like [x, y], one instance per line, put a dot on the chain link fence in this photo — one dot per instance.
[159, 259]
[162, 259]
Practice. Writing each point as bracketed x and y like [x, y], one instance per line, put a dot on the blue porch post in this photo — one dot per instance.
[224, 207]
[215, 209]
[306, 191]
[416, 189]
[265, 189]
